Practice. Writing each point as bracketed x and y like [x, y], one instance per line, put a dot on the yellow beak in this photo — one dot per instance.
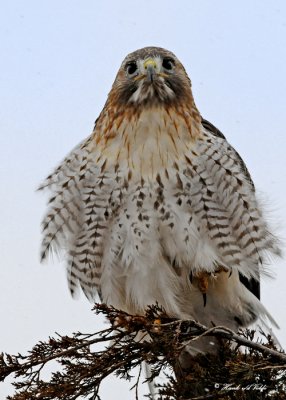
[150, 66]
[150, 63]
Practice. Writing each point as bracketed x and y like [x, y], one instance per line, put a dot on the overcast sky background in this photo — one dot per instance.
[58, 60]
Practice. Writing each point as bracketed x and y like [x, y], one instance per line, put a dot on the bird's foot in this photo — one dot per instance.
[203, 284]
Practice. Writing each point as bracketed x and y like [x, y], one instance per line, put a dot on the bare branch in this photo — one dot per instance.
[158, 341]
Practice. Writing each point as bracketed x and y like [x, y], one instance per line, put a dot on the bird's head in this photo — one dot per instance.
[150, 116]
[151, 76]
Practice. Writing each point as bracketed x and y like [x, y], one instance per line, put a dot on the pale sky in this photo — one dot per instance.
[58, 59]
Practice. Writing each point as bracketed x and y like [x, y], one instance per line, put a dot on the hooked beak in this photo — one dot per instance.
[150, 67]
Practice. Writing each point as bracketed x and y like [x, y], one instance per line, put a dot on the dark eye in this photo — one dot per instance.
[168, 63]
[131, 67]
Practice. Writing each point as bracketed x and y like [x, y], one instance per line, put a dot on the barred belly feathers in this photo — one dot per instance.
[156, 206]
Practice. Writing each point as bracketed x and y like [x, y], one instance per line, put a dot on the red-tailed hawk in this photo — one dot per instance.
[157, 206]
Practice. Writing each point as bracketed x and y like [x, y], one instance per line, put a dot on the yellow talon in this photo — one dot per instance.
[156, 328]
[203, 281]
[203, 284]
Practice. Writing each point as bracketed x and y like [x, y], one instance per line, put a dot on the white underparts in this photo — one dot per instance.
[140, 215]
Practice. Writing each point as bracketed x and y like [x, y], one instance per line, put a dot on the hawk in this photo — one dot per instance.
[157, 207]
